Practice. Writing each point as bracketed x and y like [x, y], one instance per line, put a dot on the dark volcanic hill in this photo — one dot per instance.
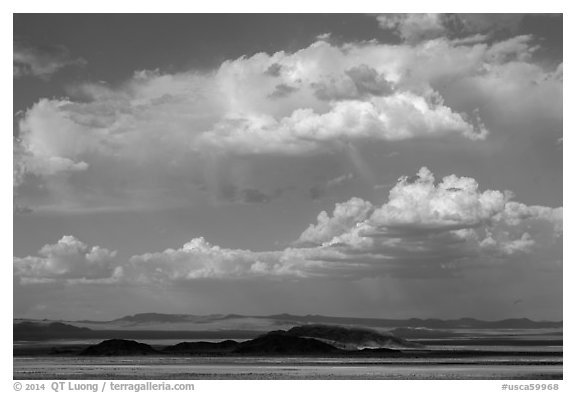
[116, 347]
[281, 343]
[200, 347]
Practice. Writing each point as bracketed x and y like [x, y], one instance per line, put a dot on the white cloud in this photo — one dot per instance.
[425, 229]
[454, 202]
[398, 117]
[415, 204]
[199, 259]
[345, 216]
[69, 260]
[320, 98]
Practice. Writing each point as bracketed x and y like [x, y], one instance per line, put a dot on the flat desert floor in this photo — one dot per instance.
[205, 368]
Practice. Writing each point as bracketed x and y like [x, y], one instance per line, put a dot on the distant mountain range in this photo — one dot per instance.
[35, 331]
[462, 323]
[172, 326]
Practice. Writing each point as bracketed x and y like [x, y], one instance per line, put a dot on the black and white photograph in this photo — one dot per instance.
[288, 196]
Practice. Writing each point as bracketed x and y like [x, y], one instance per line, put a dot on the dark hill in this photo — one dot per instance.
[117, 347]
[350, 338]
[199, 347]
[281, 343]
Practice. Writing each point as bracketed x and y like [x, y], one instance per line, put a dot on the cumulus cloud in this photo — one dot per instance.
[414, 204]
[398, 117]
[318, 99]
[42, 62]
[199, 259]
[428, 228]
[345, 217]
[69, 260]
[425, 229]
[28, 160]
[454, 202]
[361, 81]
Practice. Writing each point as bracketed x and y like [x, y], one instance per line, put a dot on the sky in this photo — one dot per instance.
[378, 165]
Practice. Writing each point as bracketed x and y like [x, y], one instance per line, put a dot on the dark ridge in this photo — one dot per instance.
[351, 338]
[117, 347]
[281, 343]
[144, 318]
[46, 331]
[200, 347]
[33, 331]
